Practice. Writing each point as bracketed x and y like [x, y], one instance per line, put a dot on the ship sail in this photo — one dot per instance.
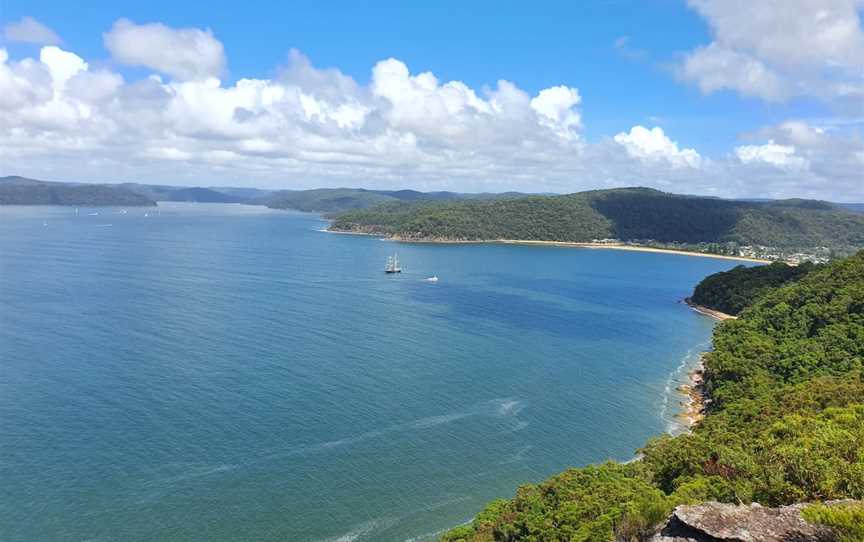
[393, 264]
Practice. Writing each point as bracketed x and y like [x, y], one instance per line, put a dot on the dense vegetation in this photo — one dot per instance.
[23, 191]
[785, 424]
[731, 291]
[174, 193]
[846, 519]
[629, 214]
[333, 200]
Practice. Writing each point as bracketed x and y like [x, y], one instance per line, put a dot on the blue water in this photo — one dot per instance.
[223, 372]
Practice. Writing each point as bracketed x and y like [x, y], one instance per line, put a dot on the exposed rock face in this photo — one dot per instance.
[715, 522]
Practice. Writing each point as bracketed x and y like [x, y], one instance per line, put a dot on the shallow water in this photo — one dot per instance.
[225, 372]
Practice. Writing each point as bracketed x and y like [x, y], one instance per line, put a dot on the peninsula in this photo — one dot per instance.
[629, 218]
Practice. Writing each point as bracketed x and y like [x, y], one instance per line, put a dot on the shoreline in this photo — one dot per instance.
[563, 244]
[695, 400]
[711, 313]
[696, 397]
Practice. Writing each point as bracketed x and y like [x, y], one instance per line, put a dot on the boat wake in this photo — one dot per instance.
[495, 408]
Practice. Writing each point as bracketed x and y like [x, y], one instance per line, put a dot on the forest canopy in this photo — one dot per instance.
[627, 214]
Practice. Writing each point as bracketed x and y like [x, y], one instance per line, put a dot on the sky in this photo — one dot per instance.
[730, 98]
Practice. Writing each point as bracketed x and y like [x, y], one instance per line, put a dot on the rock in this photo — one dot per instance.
[715, 522]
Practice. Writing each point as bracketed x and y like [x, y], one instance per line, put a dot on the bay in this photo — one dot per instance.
[227, 372]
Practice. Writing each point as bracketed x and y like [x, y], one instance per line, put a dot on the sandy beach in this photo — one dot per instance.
[565, 244]
[621, 246]
[717, 315]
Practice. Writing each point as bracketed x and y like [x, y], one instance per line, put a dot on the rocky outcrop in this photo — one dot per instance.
[715, 522]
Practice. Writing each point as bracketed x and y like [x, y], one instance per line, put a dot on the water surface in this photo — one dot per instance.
[224, 372]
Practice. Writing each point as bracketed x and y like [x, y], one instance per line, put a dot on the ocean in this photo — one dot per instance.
[226, 372]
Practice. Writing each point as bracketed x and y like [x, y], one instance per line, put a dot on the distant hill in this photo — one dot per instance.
[173, 193]
[854, 207]
[628, 214]
[333, 200]
[318, 200]
[24, 191]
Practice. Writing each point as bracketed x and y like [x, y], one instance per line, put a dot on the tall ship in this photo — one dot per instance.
[392, 264]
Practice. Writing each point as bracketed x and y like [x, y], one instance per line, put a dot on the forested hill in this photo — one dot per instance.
[785, 424]
[333, 200]
[627, 214]
[732, 291]
[24, 191]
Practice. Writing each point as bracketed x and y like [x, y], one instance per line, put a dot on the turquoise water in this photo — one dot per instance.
[223, 372]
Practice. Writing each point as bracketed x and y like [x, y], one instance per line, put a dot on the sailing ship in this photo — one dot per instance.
[392, 264]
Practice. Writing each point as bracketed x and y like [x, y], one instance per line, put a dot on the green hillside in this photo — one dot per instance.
[334, 200]
[327, 200]
[24, 191]
[173, 193]
[628, 214]
[732, 291]
[785, 424]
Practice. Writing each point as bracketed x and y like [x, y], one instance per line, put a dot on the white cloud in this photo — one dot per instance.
[777, 49]
[781, 156]
[653, 145]
[716, 68]
[62, 65]
[555, 106]
[29, 30]
[63, 118]
[183, 53]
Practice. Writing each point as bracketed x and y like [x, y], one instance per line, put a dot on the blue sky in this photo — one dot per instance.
[624, 57]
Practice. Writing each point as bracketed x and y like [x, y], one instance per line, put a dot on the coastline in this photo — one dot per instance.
[711, 313]
[696, 397]
[563, 244]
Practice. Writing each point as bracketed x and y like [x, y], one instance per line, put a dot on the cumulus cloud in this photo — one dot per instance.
[716, 68]
[62, 65]
[29, 30]
[781, 156]
[183, 53]
[777, 49]
[653, 145]
[65, 118]
[555, 107]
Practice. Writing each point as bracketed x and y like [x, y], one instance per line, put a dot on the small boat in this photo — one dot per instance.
[392, 264]
[433, 278]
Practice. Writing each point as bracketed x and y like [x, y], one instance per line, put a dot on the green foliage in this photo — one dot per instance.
[334, 200]
[23, 191]
[628, 214]
[846, 519]
[559, 218]
[327, 200]
[785, 424]
[732, 291]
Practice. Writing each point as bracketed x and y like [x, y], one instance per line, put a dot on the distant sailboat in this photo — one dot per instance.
[392, 264]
